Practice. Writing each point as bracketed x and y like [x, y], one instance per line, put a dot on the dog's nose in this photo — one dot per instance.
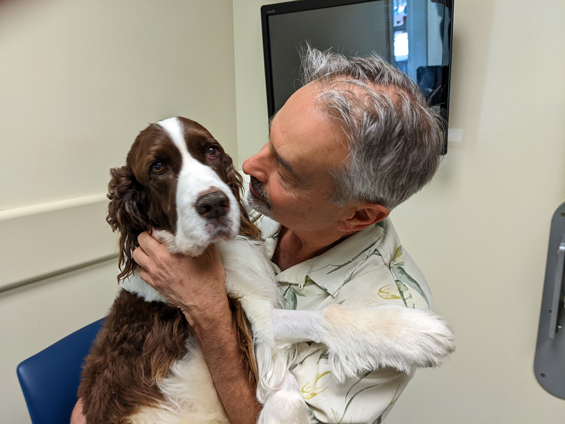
[212, 205]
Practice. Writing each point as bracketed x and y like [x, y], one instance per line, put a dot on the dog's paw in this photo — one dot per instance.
[285, 404]
[366, 339]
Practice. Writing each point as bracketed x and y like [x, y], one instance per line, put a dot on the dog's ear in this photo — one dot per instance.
[235, 181]
[127, 214]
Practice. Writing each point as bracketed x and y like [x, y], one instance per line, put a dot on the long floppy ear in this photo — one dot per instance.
[235, 182]
[127, 213]
[233, 179]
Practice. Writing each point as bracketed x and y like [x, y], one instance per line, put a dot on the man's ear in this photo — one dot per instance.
[362, 216]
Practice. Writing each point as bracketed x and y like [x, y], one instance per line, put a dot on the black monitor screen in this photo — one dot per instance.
[414, 35]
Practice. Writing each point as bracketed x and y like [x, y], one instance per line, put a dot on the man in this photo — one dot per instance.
[354, 142]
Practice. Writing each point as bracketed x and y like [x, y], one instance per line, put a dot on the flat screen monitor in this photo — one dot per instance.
[414, 35]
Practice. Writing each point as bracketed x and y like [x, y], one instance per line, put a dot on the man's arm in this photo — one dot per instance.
[218, 343]
[76, 416]
[197, 287]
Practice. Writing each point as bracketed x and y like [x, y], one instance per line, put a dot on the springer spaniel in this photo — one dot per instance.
[145, 367]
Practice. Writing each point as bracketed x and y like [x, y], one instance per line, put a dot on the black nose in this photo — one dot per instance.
[212, 205]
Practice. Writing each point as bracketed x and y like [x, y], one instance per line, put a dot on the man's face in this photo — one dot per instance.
[291, 179]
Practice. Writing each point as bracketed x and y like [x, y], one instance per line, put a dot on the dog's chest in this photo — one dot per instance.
[190, 395]
[249, 273]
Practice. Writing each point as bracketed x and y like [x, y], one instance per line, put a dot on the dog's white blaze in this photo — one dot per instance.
[195, 179]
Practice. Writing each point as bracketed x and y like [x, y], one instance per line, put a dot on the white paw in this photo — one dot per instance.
[285, 405]
[366, 339]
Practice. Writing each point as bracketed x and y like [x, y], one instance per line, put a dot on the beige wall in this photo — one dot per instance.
[251, 97]
[479, 231]
[78, 81]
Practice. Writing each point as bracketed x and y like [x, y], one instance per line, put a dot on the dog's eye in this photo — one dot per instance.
[158, 168]
[212, 152]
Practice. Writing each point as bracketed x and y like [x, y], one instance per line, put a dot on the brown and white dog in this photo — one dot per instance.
[145, 367]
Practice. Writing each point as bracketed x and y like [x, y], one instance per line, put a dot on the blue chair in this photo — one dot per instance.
[50, 378]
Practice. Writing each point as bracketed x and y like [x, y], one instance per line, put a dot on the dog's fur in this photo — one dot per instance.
[145, 367]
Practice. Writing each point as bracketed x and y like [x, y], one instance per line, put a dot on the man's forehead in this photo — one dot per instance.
[302, 108]
[303, 138]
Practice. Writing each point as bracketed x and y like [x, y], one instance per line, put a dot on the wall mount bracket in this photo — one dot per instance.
[549, 363]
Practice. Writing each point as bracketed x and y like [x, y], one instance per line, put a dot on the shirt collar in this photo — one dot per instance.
[333, 268]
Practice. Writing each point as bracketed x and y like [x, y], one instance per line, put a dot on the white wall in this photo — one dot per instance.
[480, 230]
[78, 80]
[81, 78]
[251, 97]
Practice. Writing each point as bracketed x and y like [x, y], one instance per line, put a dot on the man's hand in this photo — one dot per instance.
[197, 287]
[76, 416]
[194, 285]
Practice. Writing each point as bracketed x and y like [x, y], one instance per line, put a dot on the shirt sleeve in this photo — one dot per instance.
[365, 399]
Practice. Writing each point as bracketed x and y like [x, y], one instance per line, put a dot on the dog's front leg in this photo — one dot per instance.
[297, 326]
[277, 388]
[366, 339]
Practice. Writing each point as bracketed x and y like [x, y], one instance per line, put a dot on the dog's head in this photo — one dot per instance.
[178, 181]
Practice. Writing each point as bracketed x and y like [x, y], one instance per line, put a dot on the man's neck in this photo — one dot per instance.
[293, 248]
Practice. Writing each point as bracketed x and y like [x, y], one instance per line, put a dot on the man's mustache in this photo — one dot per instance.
[259, 189]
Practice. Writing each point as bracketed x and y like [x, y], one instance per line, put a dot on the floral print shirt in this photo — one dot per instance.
[369, 268]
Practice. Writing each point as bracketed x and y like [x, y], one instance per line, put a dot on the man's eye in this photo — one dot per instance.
[212, 152]
[158, 168]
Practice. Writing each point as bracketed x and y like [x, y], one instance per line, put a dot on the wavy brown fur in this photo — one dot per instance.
[245, 340]
[135, 348]
[141, 340]
[127, 213]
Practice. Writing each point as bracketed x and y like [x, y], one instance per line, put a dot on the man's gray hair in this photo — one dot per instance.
[395, 138]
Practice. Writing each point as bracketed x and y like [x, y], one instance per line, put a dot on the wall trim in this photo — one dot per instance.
[47, 239]
[43, 277]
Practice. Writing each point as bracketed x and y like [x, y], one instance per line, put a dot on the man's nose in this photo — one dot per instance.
[256, 165]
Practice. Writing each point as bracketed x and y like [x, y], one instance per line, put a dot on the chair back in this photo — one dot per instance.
[50, 378]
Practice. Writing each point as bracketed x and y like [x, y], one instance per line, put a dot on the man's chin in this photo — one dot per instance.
[259, 205]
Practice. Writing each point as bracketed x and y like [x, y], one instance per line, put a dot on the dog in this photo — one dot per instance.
[145, 365]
